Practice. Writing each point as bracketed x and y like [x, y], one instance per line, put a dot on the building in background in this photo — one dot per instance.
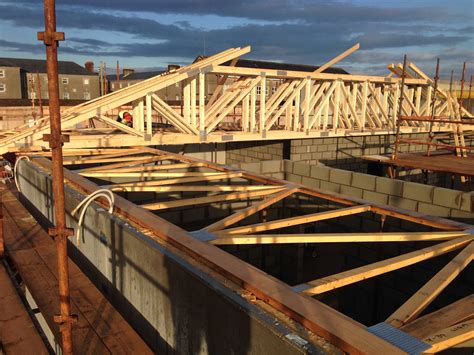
[27, 79]
[174, 93]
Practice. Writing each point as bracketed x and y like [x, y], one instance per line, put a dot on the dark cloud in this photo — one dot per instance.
[296, 31]
[21, 47]
[270, 10]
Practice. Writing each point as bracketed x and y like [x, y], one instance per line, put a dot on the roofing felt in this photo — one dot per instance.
[39, 65]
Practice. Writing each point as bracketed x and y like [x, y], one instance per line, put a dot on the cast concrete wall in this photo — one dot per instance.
[175, 304]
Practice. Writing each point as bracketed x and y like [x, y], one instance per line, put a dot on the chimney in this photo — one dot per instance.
[172, 67]
[89, 66]
[127, 72]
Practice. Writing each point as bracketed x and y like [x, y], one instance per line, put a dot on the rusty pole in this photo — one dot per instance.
[60, 233]
[2, 241]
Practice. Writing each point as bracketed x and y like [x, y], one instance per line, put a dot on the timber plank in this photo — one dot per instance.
[18, 334]
[100, 328]
[454, 313]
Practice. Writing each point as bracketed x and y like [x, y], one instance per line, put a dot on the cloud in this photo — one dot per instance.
[272, 10]
[302, 31]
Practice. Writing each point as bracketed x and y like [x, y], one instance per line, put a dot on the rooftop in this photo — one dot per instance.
[249, 63]
[135, 75]
[39, 65]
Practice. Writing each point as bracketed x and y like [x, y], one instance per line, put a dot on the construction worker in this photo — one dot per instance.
[125, 118]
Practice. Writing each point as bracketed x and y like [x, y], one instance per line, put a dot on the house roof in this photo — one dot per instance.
[261, 64]
[136, 75]
[39, 65]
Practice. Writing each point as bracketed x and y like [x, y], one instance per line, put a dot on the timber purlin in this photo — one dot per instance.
[319, 318]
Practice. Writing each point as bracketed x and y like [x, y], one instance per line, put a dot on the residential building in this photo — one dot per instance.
[174, 93]
[28, 79]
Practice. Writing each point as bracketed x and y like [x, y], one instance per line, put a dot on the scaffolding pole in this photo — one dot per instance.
[60, 233]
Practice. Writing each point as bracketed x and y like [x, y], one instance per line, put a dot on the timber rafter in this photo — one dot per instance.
[300, 105]
[167, 175]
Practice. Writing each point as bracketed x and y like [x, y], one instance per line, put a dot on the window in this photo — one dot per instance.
[66, 96]
[86, 81]
[2, 73]
[113, 86]
[259, 90]
[3, 87]
[274, 89]
[177, 97]
[65, 80]
[74, 90]
[87, 96]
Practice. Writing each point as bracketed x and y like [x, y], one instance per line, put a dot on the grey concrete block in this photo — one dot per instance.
[403, 203]
[320, 172]
[271, 166]
[389, 186]
[363, 181]
[310, 182]
[293, 178]
[330, 186]
[301, 169]
[467, 201]
[338, 176]
[351, 191]
[447, 197]
[375, 197]
[288, 166]
[432, 210]
[418, 192]
[463, 216]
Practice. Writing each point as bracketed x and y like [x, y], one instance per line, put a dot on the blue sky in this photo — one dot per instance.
[149, 34]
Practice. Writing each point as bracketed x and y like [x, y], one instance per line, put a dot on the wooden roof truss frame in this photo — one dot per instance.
[162, 172]
[304, 105]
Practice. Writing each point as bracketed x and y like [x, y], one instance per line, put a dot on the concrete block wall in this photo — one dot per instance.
[427, 199]
[338, 152]
[271, 168]
[250, 152]
[344, 152]
[379, 297]
[213, 152]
